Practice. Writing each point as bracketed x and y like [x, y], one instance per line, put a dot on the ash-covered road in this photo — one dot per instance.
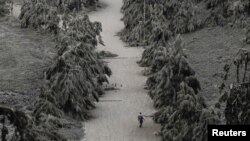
[116, 120]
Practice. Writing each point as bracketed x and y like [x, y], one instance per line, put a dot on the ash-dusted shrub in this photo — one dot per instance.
[222, 12]
[147, 55]
[79, 4]
[39, 14]
[44, 14]
[106, 54]
[174, 89]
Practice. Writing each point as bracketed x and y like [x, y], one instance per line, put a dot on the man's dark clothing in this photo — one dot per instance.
[140, 119]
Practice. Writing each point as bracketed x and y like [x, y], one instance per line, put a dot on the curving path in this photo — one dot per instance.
[117, 120]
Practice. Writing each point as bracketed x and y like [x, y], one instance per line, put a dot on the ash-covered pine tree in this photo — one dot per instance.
[73, 82]
[44, 14]
[40, 15]
[174, 89]
[147, 22]
[222, 12]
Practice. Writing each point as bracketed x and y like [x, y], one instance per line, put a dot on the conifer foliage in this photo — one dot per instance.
[174, 89]
[44, 14]
[235, 12]
[74, 80]
[147, 21]
[26, 128]
[39, 14]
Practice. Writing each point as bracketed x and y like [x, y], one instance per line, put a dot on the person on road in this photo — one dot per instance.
[140, 119]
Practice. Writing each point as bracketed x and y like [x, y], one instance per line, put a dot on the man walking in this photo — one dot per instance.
[140, 119]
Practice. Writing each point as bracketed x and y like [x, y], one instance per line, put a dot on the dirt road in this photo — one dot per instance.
[115, 118]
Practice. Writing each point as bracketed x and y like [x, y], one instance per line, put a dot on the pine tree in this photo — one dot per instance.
[73, 82]
[174, 89]
[153, 21]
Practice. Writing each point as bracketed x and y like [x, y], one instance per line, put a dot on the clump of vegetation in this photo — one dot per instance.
[106, 54]
[228, 11]
[39, 14]
[26, 128]
[74, 81]
[236, 94]
[174, 89]
[3, 7]
[79, 4]
[44, 14]
[151, 21]
[217, 14]
[76, 76]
